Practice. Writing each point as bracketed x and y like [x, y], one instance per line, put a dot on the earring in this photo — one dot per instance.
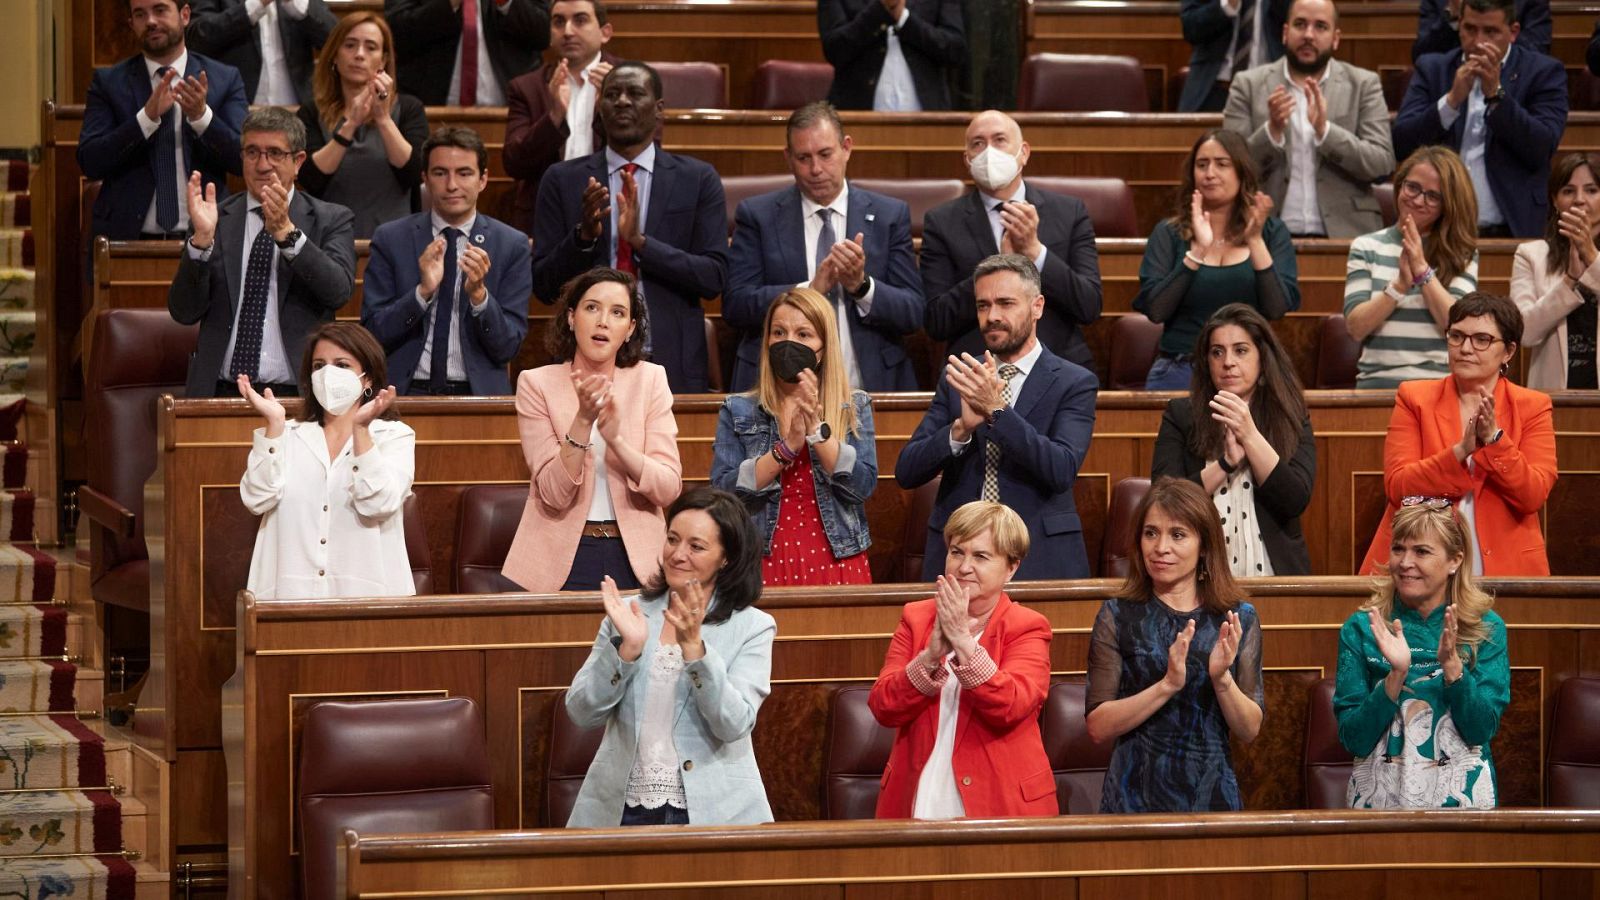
[1202, 575]
[366, 393]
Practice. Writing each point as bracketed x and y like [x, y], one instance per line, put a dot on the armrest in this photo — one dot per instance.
[107, 512]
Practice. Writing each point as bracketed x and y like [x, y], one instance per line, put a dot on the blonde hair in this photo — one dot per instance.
[326, 86]
[1007, 529]
[1444, 524]
[833, 386]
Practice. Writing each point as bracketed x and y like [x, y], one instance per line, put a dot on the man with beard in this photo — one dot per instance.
[1012, 427]
[1317, 129]
[635, 207]
[154, 118]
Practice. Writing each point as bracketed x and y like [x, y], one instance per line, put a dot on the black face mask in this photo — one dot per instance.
[789, 358]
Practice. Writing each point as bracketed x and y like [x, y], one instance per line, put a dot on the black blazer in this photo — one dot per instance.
[222, 29]
[854, 39]
[956, 237]
[1279, 500]
[311, 287]
[426, 33]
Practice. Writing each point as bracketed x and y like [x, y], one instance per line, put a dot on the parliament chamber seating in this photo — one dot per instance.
[693, 85]
[1327, 763]
[572, 749]
[787, 85]
[1574, 766]
[1395, 80]
[417, 551]
[907, 566]
[1385, 194]
[1118, 544]
[921, 194]
[387, 766]
[1583, 89]
[1067, 82]
[1337, 352]
[1134, 342]
[854, 755]
[486, 524]
[738, 188]
[1108, 200]
[1078, 762]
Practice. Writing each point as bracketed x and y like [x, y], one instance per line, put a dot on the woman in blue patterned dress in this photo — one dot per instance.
[1175, 663]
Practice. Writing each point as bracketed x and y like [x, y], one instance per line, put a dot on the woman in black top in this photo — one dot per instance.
[1243, 434]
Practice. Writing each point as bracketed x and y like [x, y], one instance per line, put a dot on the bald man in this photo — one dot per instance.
[1007, 215]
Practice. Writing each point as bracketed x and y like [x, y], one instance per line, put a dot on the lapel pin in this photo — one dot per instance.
[477, 238]
[871, 217]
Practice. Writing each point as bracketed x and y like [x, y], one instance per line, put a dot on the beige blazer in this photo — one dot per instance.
[1356, 151]
[1546, 300]
[552, 521]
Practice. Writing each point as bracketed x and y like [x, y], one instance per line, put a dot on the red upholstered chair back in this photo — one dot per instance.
[1337, 353]
[914, 538]
[1385, 195]
[1583, 89]
[1328, 763]
[1080, 764]
[417, 547]
[1395, 80]
[1134, 340]
[485, 527]
[854, 757]
[738, 188]
[1070, 82]
[714, 380]
[572, 750]
[787, 84]
[1575, 745]
[1118, 543]
[693, 85]
[1109, 201]
[386, 767]
[921, 194]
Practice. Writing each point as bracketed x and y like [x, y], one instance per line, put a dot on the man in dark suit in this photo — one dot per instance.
[464, 52]
[1501, 106]
[1012, 427]
[152, 119]
[263, 268]
[1006, 215]
[551, 113]
[859, 256]
[1439, 20]
[273, 43]
[892, 55]
[450, 278]
[640, 209]
[1228, 36]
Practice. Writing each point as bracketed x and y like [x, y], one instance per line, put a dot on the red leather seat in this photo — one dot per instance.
[921, 194]
[417, 547]
[693, 85]
[1337, 353]
[485, 526]
[1395, 80]
[854, 756]
[387, 767]
[914, 538]
[1071, 82]
[1385, 194]
[1583, 89]
[1118, 544]
[572, 749]
[738, 188]
[789, 84]
[1574, 766]
[1134, 340]
[714, 379]
[1328, 764]
[1108, 200]
[1080, 764]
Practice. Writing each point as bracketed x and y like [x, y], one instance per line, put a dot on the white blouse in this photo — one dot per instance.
[656, 779]
[329, 528]
[1235, 501]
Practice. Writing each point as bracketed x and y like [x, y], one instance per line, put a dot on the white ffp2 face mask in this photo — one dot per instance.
[336, 389]
[993, 169]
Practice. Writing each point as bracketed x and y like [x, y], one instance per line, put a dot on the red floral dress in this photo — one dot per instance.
[800, 552]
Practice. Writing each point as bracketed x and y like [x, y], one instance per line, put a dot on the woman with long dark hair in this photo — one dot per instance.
[1555, 281]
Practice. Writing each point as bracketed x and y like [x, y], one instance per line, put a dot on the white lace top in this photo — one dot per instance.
[656, 780]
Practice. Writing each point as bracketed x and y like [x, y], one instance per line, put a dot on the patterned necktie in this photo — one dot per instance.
[253, 308]
[991, 450]
[625, 261]
[825, 242]
[1247, 32]
[167, 165]
[469, 52]
[439, 364]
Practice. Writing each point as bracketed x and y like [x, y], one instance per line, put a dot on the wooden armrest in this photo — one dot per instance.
[107, 512]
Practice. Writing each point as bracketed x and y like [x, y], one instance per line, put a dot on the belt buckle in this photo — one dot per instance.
[602, 530]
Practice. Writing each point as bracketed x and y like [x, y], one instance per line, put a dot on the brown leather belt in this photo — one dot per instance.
[602, 530]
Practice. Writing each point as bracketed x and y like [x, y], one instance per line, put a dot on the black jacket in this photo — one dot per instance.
[222, 30]
[855, 40]
[427, 32]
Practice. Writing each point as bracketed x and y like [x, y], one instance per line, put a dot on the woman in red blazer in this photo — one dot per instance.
[1478, 440]
[966, 675]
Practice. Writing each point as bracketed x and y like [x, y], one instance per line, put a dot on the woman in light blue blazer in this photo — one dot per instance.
[676, 676]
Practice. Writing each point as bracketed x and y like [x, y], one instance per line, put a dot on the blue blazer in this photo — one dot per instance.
[1043, 437]
[1210, 31]
[717, 699]
[684, 261]
[389, 307]
[768, 258]
[1524, 129]
[113, 150]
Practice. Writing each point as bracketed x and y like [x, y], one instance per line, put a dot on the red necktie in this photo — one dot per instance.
[625, 249]
[469, 52]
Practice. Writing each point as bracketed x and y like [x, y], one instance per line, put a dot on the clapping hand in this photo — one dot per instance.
[265, 405]
[359, 110]
[628, 224]
[372, 409]
[685, 613]
[474, 269]
[1178, 659]
[1224, 651]
[191, 95]
[201, 201]
[1200, 224]
[1316, 108]
[560, 91]
[596, 210]
[968, 377]
[275, 207]
[383, 95]
[1413, 260]
[1575, 226]
[430, 268]
[1484, 422]
[951, 602]
[161, 96]
[847, 263]
[1020, 228]
[627, 620]
[1256, 217]
[591, 390]
[1449, 658]
[1280, 106]
[1233, 412]
[1391, 641]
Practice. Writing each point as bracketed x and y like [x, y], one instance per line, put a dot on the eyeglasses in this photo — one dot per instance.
[1429, 502]
[273, 154]
[1411, 190]
[1480, 341]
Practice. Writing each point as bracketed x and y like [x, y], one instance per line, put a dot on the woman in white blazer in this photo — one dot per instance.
[677, 676]
[1555, 281]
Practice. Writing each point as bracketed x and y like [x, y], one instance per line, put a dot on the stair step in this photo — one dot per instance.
[46, 752]
[151, 882]
[17, 288]
[16, 209]
[17, 327]
[31, 631]
[16, 507]
[108, 877]
[17, 248]
[58, 822]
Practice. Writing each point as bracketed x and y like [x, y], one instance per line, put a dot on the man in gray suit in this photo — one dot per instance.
[1317, 129]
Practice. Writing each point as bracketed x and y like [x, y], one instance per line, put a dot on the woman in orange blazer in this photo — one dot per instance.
[1487, 445]
[601, 444]
[966, 675]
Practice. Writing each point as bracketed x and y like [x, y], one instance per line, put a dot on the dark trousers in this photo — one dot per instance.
[422, 387]
[666, 815]
[598, 557]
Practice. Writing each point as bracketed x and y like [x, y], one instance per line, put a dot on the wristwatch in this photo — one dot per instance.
[822, 433]
[1498, 95]
[866, 285]
[289, 240]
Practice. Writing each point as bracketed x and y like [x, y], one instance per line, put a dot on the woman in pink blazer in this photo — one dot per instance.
[1556, 281]
[601, 444]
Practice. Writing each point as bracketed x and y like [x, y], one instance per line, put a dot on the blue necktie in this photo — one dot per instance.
[825, 242]
[166, 166]
[253, 307]
[446, 313]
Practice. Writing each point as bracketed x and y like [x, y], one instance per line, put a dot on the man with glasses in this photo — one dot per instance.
[261, 269]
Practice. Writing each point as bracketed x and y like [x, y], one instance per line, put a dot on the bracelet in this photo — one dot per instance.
[1424, 278]
[1226, 467]
[1393, 294]
[573, 443]
[338, 138]
[783, 453]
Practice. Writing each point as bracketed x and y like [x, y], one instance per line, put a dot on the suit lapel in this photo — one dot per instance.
[1037, 384]
[598, 171]
[661, 181]
[863, 216]
[301, 214]
[978, 230]
[230, 242]
[792, 235]
[192, 68]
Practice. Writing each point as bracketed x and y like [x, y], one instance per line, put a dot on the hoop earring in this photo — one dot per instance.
[1505, 367]
[366, 393]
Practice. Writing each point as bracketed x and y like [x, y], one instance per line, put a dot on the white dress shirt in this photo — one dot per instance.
[490, 91]
[840, 217]
[1301, 211]
[275, 87]
[149, 126]
[1024, 366]
[992, 204]
[580, 113]
[1258, 51]
[456, 363]
[1474, 143]
[896, 91]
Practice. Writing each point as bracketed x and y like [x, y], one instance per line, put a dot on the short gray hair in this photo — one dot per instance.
[276, 118]
[1015, 263]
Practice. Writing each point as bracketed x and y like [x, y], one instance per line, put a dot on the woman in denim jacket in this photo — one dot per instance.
[799, 450]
